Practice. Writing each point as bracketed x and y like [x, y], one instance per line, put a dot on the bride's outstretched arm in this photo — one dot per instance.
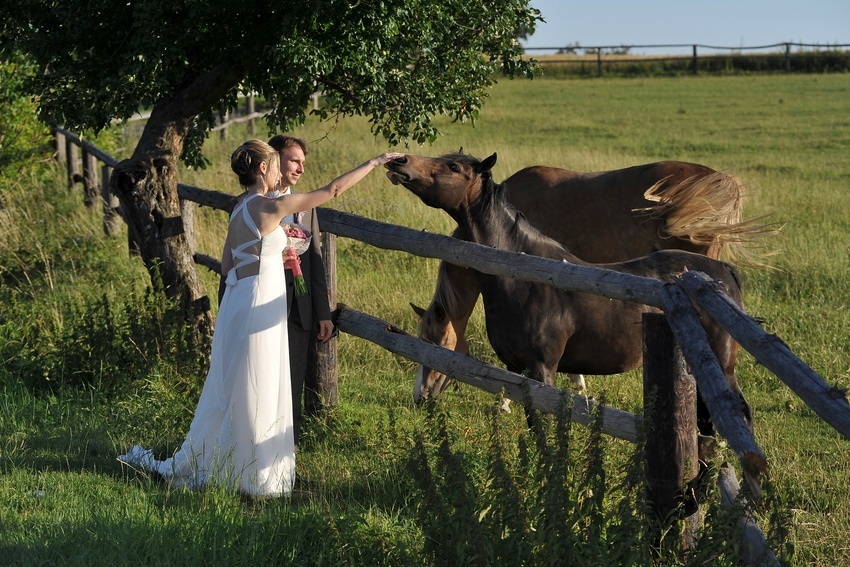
[303, 201]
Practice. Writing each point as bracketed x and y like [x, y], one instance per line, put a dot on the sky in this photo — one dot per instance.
[722, 23]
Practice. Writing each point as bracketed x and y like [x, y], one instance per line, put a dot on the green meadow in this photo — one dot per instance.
[92, 362]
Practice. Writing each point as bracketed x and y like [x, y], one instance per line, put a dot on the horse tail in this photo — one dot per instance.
[707, 211]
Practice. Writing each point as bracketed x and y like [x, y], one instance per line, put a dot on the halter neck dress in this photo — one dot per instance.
[242, 434]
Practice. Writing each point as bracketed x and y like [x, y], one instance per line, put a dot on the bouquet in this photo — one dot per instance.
[297, 242]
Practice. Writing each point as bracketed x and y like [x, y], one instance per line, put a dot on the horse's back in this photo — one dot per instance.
[598, 216]
[660, 265]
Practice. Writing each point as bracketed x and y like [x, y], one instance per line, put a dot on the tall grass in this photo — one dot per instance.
[64, 499]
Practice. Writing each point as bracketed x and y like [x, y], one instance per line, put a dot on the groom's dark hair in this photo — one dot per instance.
[280, 142]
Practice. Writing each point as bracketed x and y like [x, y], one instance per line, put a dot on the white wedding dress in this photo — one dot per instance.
[242, 434]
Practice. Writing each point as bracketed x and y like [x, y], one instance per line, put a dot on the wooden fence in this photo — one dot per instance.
[614, 54]
[674, 298]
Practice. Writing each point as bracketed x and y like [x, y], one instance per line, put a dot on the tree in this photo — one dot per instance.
[399, 62]
[21, 135]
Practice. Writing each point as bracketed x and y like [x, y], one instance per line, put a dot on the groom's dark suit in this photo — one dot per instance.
[304, 315]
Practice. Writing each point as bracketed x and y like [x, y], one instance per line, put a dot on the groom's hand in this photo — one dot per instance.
[325, 330]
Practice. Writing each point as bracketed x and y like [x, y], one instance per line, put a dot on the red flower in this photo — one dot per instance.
[298, 241]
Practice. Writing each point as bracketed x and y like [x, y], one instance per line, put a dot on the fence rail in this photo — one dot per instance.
[767, 349]
[623, 47]
[830, 403]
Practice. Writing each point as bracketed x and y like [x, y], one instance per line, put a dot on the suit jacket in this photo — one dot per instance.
[313, 307]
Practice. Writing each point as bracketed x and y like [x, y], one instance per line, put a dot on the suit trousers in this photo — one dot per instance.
[301, 343]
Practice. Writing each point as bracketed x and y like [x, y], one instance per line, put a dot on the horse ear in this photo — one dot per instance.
[487, 164]
[460, 151]
[418, 310]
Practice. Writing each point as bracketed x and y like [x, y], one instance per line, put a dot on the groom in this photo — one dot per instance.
[309, 315]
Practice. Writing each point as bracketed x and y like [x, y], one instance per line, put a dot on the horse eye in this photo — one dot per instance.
[454, 167]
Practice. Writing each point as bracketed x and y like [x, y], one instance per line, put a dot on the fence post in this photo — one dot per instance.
[321, 388]
[72, 154]
[695, 61]
[187, 213]
[669, 393]
[787, 57]
[223, 118]
[599, 61]
[111, 218]
[250, 109]
[61, 150]
[90, 181]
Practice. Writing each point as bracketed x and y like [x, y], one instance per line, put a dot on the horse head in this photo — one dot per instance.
[434, 327]
[445, 182]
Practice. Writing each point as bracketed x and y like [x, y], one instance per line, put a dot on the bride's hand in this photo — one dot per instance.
[387, 157]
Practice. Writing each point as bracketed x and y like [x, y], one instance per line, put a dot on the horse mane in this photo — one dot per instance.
[521, 231]
[445, 294]
[461, 157]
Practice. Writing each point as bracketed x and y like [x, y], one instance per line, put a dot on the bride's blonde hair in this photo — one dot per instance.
[246, 159]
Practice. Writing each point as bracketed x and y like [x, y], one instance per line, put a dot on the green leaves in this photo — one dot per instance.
[399, 63]
[21, 136]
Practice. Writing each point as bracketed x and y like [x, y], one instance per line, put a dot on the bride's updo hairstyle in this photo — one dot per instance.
[246, 159]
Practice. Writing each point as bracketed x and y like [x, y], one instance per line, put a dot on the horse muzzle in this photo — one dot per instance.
[397, 178]
[429, 384]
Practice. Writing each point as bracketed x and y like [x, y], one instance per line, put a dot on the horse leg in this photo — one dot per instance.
[458, 288]
[577, 381]
[707, 440]
[545, 373]
[751, 476]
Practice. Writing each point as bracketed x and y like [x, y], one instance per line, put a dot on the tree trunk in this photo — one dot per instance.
[146, 185]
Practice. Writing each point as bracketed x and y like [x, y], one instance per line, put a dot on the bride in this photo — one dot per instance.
[242, 436]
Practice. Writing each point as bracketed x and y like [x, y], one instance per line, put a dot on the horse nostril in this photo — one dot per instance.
[401, 161]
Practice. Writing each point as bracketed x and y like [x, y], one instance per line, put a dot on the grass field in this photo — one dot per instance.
[65, 500]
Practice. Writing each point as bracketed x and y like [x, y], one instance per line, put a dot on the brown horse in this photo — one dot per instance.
[537, 329]
[608, 216]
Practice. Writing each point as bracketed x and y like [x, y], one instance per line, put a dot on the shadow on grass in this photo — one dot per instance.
[82, 507]
[219, 532]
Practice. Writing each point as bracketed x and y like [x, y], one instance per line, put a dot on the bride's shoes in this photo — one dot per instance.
[139, 457]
